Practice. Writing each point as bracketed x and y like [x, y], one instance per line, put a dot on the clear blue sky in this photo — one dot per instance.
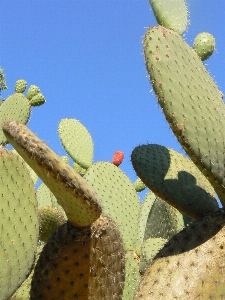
[86, 56]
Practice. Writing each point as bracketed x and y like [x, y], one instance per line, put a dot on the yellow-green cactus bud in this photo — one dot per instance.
[20, 86]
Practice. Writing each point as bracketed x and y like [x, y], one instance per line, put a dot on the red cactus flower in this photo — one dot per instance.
[118, 157]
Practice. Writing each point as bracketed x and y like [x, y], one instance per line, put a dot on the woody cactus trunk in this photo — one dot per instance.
[83, 234]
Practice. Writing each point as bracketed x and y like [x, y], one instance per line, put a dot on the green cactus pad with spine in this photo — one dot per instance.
[20, 86]
[191, 265]
[79, 201]
[204, 45]
[18, 223]
[50, 218]
[15, 107]
[77, 141]
[149, 249]
[37, 100]
[119, 200]
[32, 91]
[190, 100]
[175, 179]
[171, 14]
[81, 263]
[139, 185]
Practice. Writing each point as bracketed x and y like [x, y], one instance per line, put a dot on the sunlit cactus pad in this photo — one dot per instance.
[119, 200]
[77, 141]
[191, 265]
[171, 14]
[20, 86]
[204, 45]
[175, 179]
[15, 107]
[190, 101]
[79, 201]
[18, 223]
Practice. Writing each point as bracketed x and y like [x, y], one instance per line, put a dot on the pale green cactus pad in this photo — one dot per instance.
[171, 14]
[20, 86]
[77, 141]
[32, 91]
[204, 45]
[37, 100]
[190, 100]
[79, 201]
[18, 223]
[191, 265]
[175, 179]
[15, 107]
[139, 185]
[118, 198]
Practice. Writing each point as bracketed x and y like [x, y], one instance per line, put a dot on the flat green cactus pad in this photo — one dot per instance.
[77, 141]
[191, 265]
[15, 107]
[79, 201]
[175, 179]
[204, 45]
[190, 100]
[20, 86]
[171, 14]
[118, 198]
[18, 223]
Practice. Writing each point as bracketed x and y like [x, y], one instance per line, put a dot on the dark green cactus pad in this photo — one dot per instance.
[50, 218]
[119, 200]
[191, 265]
[204, 45]
[81, 263]
[171, 14]
[158, 219]
[149, 250]
[20, 86]
[77, 141]
[18, 223]
[79, 201]
[175, 179]
[15, 107]
[190, 100]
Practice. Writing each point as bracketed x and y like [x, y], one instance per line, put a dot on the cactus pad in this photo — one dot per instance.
[190, 100]
[15, 107]
[175, 179]
[171, 14]
[20, 86]
[77, 141]
[37, 100]
[18, 223]
[80, 203]
[32, 91]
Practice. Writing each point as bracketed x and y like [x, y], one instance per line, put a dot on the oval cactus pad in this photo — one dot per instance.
[15, 107]
[174, 178]
[190, 100]
[18, 223]
[80, 203]
[77, 141]
[118, 198]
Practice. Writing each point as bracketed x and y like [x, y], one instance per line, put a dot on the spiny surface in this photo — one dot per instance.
[175, 179]
[80, 203]
[191, 265]
[190, 100]
[18, 223]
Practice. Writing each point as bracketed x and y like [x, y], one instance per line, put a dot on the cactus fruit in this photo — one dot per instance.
[50, 218]
[204, 45]
[81, 263]
[118, 157]
[171, 14]
[20, 86]
[77, 141]
[79, 201]
[18, 223]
